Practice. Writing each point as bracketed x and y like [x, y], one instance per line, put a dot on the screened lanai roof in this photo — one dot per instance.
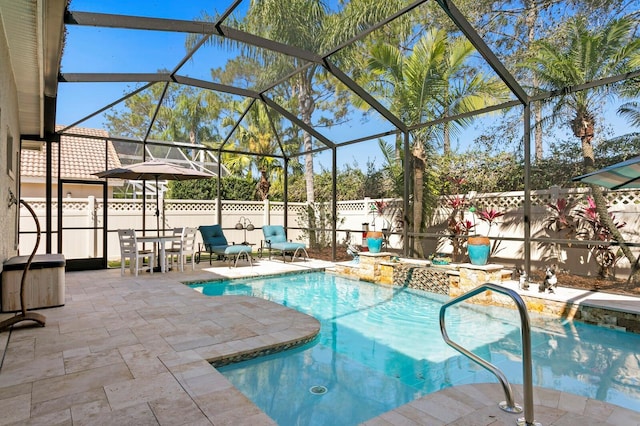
[247, 61]
[200, 44]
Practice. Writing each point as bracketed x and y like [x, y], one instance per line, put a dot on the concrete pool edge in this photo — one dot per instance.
[135, 350]
[609, 310]
[477, 404]
[115, 347]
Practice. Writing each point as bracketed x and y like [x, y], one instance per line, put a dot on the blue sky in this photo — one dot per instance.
[115, 50]
[122, 51]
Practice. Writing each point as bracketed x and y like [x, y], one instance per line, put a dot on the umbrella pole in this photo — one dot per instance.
[144, 209]
[157, 208]
[157, 246]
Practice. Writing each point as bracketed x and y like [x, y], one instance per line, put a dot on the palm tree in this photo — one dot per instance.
[433, 81]
[587, 56]
[309, 25]
[257, 136]
[631, 110]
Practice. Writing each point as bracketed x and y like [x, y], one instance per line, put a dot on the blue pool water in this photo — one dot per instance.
[380, 347]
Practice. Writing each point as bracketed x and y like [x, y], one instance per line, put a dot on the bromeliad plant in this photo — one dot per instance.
[584, 223]
[489, 216]
[379, 207]
[458, 226]
[562, 219]
[561, 222]
[378, 210]
[594, 229]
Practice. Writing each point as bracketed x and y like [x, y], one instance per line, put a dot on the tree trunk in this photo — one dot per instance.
[307, 105]
[582, 126]
[531, 18]
[264, 185]
[192, 138]
[537, 130]
[446, 139]
[419, 160]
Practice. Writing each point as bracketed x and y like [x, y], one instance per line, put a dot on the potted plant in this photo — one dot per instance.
[374, 241]
[376, 238]
[378, 209]
[479, 246]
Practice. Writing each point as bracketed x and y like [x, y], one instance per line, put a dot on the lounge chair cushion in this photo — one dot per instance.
[234, 252]
[237, 249]
[276, 239]
[213, 239]
[287, 246]
[274, 234]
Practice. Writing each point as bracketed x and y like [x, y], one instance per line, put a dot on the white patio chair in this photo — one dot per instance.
[182, 248]
[130, 250]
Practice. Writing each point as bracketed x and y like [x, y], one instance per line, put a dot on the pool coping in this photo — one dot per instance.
[610, 310]
[477, 405]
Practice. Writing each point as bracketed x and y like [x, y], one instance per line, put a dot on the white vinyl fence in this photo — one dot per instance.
[353, 217]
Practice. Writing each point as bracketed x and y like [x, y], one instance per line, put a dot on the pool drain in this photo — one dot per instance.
[318, 390]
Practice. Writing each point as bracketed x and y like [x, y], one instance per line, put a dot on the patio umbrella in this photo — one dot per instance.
[154, 170]
[624, 175]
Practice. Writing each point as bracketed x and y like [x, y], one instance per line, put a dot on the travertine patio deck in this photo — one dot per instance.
[135, 350]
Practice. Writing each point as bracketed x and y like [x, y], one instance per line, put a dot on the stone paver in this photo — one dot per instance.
[137, 350]
[132, 350]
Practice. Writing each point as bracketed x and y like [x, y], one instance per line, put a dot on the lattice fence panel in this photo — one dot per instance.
[127, 206]
[623, 198]
[189, 206]
[352, 214]
[350, 206]
[242, 208]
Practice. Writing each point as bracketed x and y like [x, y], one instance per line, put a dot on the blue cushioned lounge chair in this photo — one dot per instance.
[276, 239]
[216, 243]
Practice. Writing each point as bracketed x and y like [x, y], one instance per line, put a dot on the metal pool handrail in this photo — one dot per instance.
[525, 329]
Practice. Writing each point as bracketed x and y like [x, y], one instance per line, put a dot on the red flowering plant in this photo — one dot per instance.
[561, 223]
[489, 216]
[457, 226]
[584, 223]
[593, 229]
[380, 207]
[562, 218]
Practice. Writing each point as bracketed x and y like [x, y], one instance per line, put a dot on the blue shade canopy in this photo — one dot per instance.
[624, 175]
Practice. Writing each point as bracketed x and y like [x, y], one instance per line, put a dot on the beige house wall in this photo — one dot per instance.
[37, 188]
[9, 127]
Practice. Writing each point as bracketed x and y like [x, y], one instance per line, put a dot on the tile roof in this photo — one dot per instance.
[79, 158]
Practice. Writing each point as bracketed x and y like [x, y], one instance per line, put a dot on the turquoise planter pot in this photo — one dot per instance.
[374, 244]
[478, 249]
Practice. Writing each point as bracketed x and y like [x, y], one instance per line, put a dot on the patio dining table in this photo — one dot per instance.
[160, 241]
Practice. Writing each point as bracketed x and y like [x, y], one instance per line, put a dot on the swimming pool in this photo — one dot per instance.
[380, 347]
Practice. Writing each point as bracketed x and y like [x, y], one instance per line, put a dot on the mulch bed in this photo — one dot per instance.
[616, 286]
